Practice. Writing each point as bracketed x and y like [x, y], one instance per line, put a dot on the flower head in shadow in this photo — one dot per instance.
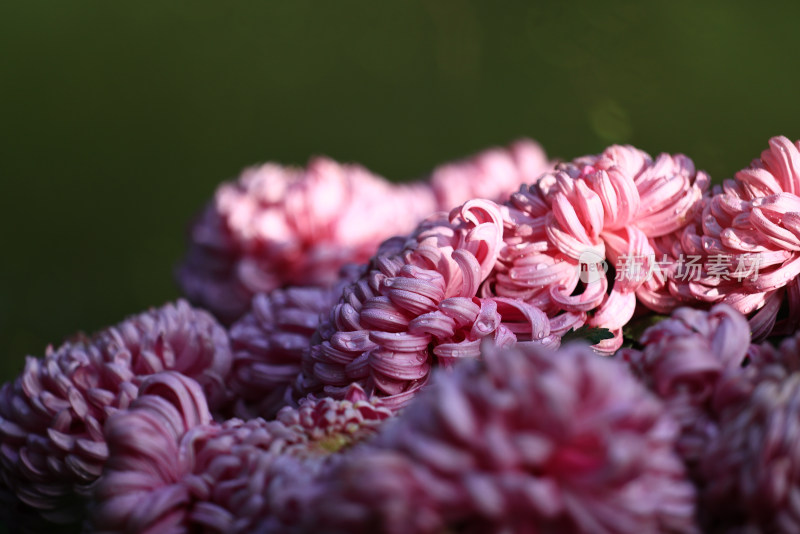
[522, 441]
[52, 447]
[171, 467]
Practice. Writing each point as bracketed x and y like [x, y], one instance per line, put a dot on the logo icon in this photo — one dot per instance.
[592, 266]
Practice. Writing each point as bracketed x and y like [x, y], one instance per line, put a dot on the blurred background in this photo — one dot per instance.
[118, 119]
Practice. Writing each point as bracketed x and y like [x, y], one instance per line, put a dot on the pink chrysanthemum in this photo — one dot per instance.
[276, 226]
[597, 208]
[52, 447]
[492, 270]
[418, 305]
[171, 468]
[752, 226]
[492, 174]
[524, 441]
[269, 341]
[691, 361]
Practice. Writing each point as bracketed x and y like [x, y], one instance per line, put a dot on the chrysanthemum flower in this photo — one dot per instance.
[751, 469]
[523, 441]
[493, 270]
[171, 468]
[269, 341]
[691, 361]
[417, 305]
[597, 208]
[752, 226]
[492, 174]
[52, 447]
[277, 226]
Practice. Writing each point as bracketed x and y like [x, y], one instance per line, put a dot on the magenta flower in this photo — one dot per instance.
[170, 468]
[269, 341]
[692, 361]
[751, 468]
[523, 441]
[752, 223]
[276, 226]
[728, 396]
[52, 447]
[417, 305]
[372, 491]
[492, 174]
[597, 208]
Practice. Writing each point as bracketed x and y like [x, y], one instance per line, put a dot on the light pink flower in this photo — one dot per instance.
[171, 469]
[523, 441]
[607, 207]
[747, 225]
[52, 447]
[418, 305]
[492, 174]
[754, 219]
[276, 226]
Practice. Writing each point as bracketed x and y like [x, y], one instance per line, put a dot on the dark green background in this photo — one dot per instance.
[117, 119]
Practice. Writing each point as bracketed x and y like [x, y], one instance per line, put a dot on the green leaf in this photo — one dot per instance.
[634, 330]
[587, 333]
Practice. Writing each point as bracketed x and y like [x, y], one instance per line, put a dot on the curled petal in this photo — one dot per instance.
[527, 321]
[601, 183]
[616, 311]
[435, 323]
[380, 314]
[774, 233]
[592, 296]
[591, 208]
[400, 365]
[540, 270]
[565, 215]
[486, 321]
[773, 279]
[762, 323]
[470, 272]
[400, 341]
[783, 160]
[449, 353]
[488, 221]
[184, 392]
[566, 321]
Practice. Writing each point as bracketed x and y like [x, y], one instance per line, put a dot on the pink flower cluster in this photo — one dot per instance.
[276, 226]
[401, 359]
[572, 444]
[419, 304]
[510, 271]
[596, 209]
[758, 212]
